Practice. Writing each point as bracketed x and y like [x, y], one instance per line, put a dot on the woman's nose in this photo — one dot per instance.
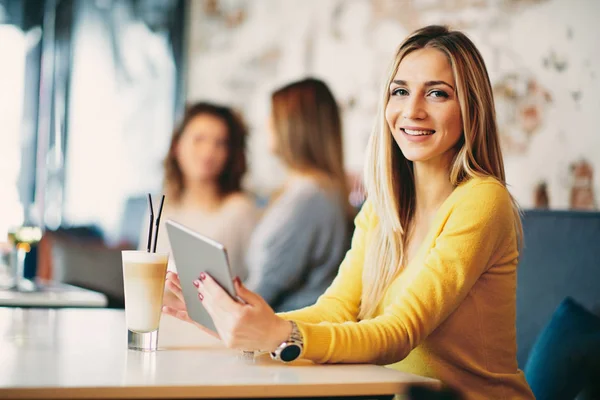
[413, 108]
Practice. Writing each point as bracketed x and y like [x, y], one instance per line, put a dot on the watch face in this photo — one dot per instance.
[290, 353]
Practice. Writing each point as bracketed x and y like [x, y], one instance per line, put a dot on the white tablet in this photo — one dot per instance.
[193, 254]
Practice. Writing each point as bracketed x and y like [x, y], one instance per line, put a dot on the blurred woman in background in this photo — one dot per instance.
[203, 173]
[296, 249]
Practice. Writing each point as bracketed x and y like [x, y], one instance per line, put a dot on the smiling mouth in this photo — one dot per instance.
[412, 132]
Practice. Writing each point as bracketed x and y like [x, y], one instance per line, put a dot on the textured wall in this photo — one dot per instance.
[543, 58]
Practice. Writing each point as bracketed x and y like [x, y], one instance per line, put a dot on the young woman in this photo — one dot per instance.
[430, 282]
[203, 172]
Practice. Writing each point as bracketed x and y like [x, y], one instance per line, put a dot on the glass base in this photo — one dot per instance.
[142, 341]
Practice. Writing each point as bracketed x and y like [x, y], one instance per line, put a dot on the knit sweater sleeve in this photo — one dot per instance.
[475, 230]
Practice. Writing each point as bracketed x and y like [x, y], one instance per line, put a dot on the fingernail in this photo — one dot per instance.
[238, 280]
[202, 276]
[196, 283]
[200, 296]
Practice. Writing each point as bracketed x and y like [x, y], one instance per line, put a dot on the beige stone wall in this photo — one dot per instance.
[543, 58]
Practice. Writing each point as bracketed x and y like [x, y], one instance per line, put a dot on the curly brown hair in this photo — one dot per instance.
[230, 179]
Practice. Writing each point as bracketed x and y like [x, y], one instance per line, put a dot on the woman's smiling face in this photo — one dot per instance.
[423, 111]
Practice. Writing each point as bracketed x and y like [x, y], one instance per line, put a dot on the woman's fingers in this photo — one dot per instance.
[175, 290]
[177, 313]
[245, 294]
[173, 287]
[207, 302]
[171, 300]
[173, 277]
[219, 305]
[247, 326]
[209, 288]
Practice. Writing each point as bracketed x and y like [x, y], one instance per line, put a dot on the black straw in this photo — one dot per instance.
[162, 201]
[151, 222]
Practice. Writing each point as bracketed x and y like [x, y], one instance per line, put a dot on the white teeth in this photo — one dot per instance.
[418, 133]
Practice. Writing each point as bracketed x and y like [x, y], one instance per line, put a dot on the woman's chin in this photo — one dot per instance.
[416, 156]
[205, 177]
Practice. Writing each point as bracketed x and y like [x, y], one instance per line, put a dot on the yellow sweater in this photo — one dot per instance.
[449, 315]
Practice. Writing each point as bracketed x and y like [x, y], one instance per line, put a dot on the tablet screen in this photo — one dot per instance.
[194, 253]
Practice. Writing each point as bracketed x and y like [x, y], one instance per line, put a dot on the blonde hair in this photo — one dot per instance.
[389, 176]
[308, 131]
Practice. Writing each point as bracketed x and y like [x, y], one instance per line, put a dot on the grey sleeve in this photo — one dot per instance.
[289, 247]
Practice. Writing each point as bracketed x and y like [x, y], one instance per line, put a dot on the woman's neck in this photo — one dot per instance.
[321, 177]
[294, 173]
[432, 186]
[204, 195]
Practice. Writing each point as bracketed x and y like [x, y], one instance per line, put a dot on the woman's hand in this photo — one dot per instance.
[250, 326]
[174, 304]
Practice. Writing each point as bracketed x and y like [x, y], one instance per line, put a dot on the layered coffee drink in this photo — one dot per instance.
[144, 280]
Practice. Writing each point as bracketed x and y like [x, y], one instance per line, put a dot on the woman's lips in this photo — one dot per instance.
[417, 135]
[417, 131]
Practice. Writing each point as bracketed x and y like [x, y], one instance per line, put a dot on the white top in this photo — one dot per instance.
[231, 225]
[53, 295]
[70, 353]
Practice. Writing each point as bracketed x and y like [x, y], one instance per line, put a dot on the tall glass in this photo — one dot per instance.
[144, 280]
[23, 240]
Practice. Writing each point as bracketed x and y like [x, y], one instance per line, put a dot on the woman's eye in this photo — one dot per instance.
[438, 93]
[399, 92]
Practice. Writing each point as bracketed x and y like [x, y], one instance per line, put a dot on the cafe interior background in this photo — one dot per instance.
[91, 89]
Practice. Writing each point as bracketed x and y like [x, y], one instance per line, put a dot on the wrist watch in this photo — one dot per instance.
[292, 348]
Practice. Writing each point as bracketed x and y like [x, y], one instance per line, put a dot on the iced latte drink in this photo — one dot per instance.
[144, 280]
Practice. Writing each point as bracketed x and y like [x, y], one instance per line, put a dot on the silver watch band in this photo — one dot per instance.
[292, 348]
[296, 335]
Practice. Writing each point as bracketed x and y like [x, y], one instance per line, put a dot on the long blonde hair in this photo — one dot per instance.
[389, 175]
[308, 131]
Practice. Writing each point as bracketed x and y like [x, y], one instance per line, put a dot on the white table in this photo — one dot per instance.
[53, 295]
[76, 353]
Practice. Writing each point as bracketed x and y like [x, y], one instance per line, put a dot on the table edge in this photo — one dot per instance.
[217, 391]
